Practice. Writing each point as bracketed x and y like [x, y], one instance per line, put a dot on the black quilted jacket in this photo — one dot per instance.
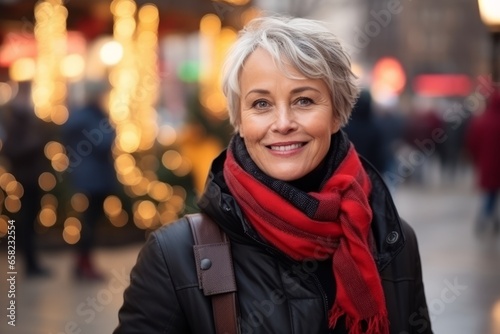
[275, 294]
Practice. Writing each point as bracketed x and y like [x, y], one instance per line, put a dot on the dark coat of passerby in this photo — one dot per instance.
[89, 137]
[317, 244]
[365, 132]
[483, 139]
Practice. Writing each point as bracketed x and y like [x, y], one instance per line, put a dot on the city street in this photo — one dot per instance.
[461, 274]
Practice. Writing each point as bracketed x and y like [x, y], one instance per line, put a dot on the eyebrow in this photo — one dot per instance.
[294, 91]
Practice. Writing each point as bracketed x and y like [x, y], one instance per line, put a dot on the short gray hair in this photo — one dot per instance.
[307, 45]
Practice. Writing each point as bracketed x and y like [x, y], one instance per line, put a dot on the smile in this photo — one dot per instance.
[284, 148]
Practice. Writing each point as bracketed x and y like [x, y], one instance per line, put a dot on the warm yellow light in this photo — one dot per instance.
[124, 163]
[59, 92]
[5, 179]
[179, 191]
[124, 8]
[60, 162]
[147, 39]
[120, 220]
[59, 114]
[23, 69]
[171, 159]
[184, 169]
[5, 93]
[210, 24]
[148, 137]
[52, 148]
[490, 13]
[148, 13]
[47, 217]
[167, 135]
[47, 181]
[124, 27]
[72, 66]
[214, 101]
[41, 93]
[146, 210]
[74, 222]
[177, 202]
[139, 222]
[112, 206]
[79, 202]
[12, 204]
[160, 191]
[111, 53]
[49, 201]
[125, 79]
[131, 178]
[140, 188]
[129, 138]
[49, 91]
[3, 225]
[11, 188]
[71, 234]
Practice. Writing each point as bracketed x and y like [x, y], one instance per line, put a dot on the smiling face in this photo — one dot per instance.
[286, 123]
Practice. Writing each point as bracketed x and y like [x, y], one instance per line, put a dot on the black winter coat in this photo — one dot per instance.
[275, 294]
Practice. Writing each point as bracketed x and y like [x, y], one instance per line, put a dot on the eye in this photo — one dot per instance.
[304, 101]
[260, 104]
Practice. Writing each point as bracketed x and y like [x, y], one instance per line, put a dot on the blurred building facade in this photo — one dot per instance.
[428, 37]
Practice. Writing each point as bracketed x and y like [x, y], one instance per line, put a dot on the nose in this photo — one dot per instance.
[284, 121]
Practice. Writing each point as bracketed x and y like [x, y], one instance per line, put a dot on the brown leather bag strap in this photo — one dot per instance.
[214, 267]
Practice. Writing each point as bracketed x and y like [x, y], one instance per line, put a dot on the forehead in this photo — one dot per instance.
[261, 62]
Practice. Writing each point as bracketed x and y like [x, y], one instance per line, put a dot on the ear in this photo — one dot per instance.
[335, 125]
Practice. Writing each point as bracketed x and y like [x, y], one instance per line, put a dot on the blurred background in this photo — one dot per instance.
[111, 112]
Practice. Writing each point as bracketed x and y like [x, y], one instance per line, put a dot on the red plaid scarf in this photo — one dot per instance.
[338, 228]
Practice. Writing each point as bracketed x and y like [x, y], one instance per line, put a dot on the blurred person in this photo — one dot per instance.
[392, 122]
[453, 154]
[419, 129]
[289, 184]
[483, 137]
[25, 139]
[89, 137]
[365, 132]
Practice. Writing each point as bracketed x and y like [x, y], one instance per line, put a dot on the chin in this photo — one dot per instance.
[285, 175]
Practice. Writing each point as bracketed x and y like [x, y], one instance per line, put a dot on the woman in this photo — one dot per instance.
[307, 220]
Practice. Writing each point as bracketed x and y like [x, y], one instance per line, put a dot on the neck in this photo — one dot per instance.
[313, 180]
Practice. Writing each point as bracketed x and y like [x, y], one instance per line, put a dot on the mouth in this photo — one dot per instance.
[285, 147]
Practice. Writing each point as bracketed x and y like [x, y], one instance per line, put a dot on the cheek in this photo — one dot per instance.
[249, 128]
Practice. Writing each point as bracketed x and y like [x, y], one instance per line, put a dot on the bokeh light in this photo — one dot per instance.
[23, 69]
[47, 216]
[47, 181]
[112, 206]
[12, 204]
[71, 234]
[79, 202]
[73, 66]
[111, 53]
